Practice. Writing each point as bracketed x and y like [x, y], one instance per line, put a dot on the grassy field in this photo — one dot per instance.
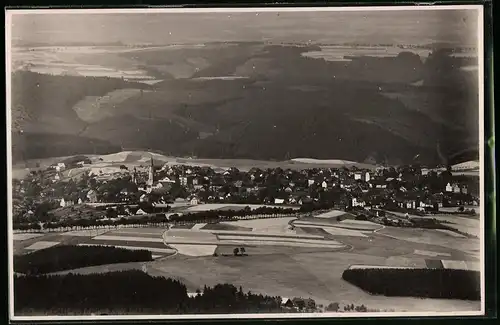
[136, 158]
[225, 226]
[308, 274]
[470, 225]
[287, 270]
[434, 237]
[333, 222]
[228, 206]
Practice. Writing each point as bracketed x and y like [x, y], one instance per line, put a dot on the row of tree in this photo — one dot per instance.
[158, 218]
[423, 283]
[131, 292]
[67, 257]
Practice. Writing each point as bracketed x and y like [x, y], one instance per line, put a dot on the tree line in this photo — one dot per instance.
[67, 257]
[422, 283]
[131, 292]
[153, 218]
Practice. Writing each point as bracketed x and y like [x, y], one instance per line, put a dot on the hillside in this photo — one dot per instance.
[282, 104]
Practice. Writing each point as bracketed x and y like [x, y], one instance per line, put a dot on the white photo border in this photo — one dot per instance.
[480, 48]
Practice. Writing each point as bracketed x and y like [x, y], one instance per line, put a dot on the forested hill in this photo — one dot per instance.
[284, 104]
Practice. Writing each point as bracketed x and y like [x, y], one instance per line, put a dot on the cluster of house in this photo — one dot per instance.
[406, 187]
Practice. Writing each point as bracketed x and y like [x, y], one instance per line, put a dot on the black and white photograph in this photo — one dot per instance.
[213, 163]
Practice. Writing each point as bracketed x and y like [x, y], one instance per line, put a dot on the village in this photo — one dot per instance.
[413, 190]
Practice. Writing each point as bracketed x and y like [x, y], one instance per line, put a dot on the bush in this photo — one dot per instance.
[361, 217]
[333, 307]
[424, 283]
[67, 257]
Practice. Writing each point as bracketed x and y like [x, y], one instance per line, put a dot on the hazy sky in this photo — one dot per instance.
[412, 27]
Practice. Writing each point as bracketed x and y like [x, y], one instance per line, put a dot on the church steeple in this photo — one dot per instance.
[151, 173]
[150, 176]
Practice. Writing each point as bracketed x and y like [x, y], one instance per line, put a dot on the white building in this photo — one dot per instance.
[279, 201]
[367, 177]
[449, 188]
[357, 176]
[92, 196]
[310, 182]
[60, 166]
[324, 184]
[357, 203]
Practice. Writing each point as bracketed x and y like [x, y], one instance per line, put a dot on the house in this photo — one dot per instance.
[287, 303]
[92, 196]
[80, 163]
[279, 201]
[141, 212]
[305, 200]
[357, 202]
[456, 188]
[449, 188]
[367, 177]
[194, 200]
[357, 176]
[324, 184]
[424, 171]
[60, 166]
[183, 181]
[310, 182]
[57, 177]
[411, 205]
[166, 179]
[80, 200]
[62, 204]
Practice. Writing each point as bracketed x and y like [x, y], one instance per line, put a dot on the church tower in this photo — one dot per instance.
[134, 176]
[150, 177]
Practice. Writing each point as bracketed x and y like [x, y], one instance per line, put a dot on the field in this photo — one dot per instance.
[228, 206]
[304, 260]
[137, 158]
[465, 224]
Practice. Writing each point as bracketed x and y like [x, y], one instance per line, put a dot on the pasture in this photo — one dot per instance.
[236, 207]
[290, 273]
[307, 261]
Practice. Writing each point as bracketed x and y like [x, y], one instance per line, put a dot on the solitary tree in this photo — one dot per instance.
[242, 250]
[236, 251]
